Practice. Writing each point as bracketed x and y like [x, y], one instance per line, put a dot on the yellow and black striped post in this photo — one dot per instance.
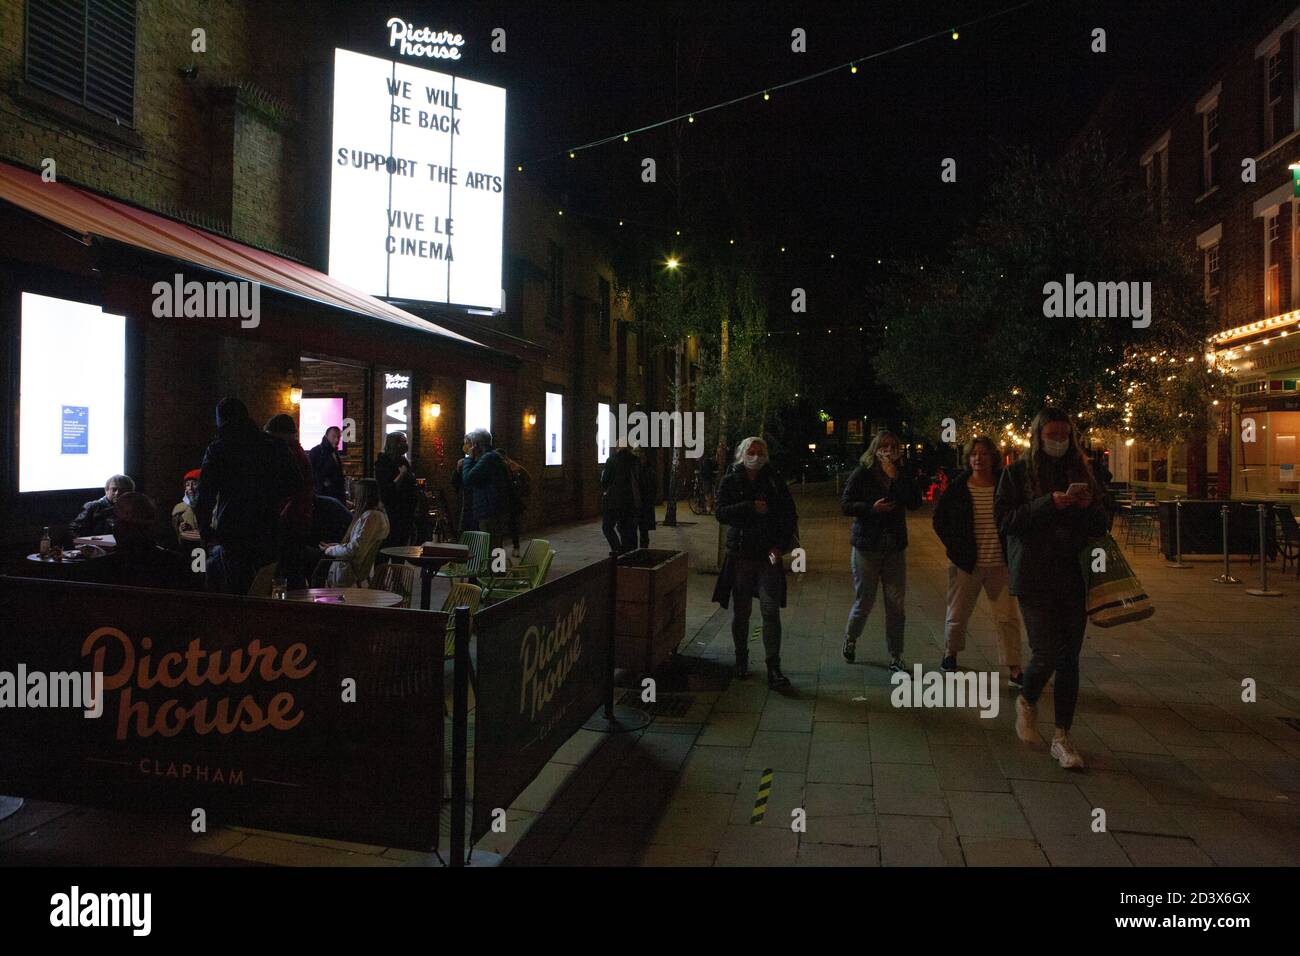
[760, 801]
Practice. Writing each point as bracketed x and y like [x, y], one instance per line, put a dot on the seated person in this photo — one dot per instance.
[97, 516]
[183, 518]
[354, 557]
[137, 561]
[330, 520]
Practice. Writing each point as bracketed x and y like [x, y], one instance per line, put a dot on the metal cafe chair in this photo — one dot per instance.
[397, 578]
[1288, 536]
[528, 574]
[479, 562]
[1139, 529]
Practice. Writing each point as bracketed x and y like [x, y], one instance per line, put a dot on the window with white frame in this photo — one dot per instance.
[1210, 147]
[554, 428]
[1155, 171]
[1274, 85]
[478, 406]
[1272, 263]
[1210, 261]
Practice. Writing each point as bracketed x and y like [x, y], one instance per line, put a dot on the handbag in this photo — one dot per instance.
[1115, 596]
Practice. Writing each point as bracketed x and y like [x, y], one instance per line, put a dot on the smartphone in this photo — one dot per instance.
[1077, 488]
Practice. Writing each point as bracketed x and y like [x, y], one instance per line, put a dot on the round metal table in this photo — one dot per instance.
[430, 558]
[356, 597]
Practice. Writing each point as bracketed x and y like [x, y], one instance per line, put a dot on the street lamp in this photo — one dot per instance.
[672, 262]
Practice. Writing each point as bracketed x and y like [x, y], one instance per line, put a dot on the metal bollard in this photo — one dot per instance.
[1226, 577]
[1178, 561]
[1262, 590]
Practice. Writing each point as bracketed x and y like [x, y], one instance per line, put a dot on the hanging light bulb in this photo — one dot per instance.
[572, 154]
[853, 68]
[691, 118]
[766, 95]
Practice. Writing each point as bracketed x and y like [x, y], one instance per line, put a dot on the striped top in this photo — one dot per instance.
[988, 548]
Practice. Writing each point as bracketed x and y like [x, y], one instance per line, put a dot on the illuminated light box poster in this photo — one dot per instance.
[417, 184]
[72, 373]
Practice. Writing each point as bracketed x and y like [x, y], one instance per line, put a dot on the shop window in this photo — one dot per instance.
[1178, 465]
[84, 52]
[1141, 463]
[478, 406]
[1160, 465]
[71, 395]
[604, 429]
[1253, 456]
[554, 428]
[603, 306]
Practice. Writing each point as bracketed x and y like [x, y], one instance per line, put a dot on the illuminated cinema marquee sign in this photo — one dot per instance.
[425, 42]
[417, 183]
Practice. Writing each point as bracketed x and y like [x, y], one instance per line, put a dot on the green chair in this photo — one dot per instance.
[479, 562]
[528, 574]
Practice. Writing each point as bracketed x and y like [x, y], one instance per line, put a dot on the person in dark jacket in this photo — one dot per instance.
[396, 489]
[296, 515]
[649, 492]
[878, 495]
[520, 490]
[248, 477]
[327, 465]
[487, 478]
[620, 499]
[963, 520]
[758, 511]
[137, 561]
[1048, 505]
[97, 517]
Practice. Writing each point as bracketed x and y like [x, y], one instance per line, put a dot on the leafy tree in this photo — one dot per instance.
[968, 339]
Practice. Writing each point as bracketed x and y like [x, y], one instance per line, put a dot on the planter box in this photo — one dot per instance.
[651, 608]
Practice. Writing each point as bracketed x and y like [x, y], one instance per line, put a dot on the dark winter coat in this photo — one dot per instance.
[488, 481]
[872, 530]
[248, 476]
[1043, 544]
[954, 523]
[751, 535]
[397, 494]
[95, 517]
[327, 470]
[620, 481]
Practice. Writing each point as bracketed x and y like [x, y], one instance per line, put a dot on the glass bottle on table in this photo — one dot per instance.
[45, 543]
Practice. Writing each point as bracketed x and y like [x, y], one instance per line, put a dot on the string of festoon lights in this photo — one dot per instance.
[764, 93]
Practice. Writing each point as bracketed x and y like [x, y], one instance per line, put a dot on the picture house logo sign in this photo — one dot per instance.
[441, 45]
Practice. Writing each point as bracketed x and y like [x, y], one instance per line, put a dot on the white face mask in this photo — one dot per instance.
[755, 462]
[1056, 449]
[884, 454]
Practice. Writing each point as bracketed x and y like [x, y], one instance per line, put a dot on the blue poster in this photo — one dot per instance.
[76, 425]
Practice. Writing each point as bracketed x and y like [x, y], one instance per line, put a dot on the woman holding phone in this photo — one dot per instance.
[1048, 505]
[878, 495]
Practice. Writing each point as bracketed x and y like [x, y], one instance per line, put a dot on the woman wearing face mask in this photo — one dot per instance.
[755, 505]
[1048, 504]
[963, 520]
[876, 495]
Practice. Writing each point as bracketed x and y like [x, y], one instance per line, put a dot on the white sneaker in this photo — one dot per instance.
[1065, 754]
[1026, 715]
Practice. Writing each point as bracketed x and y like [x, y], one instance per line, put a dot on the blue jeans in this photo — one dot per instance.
[761, 578]
[888, 569]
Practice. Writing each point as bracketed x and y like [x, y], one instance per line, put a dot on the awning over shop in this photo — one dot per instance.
[89, 214]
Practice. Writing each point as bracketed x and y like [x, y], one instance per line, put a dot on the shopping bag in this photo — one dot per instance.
[1115, 596]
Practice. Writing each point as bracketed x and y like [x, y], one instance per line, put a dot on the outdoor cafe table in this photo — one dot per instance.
[69, 568]
[357, 597]
[99, 540]
[430, 557]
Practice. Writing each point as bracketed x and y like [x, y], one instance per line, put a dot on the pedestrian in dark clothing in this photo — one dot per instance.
[520, 490]
[487, 479]
[649, 492]
[96, 517]
[330, 519]
[878, 495]
[620, 499]
[137, 561]
[1047, 506]
[296, 515]
[463, 494]
[759, 513]
[396, 489]
[327, 466]
[248, 477]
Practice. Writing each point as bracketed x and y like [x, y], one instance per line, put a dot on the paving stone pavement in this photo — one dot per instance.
[1186, 772]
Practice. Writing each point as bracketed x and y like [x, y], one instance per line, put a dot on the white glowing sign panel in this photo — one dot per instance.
[417, 183]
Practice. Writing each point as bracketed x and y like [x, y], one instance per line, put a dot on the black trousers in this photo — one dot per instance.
[620, 530]
[1055, 626]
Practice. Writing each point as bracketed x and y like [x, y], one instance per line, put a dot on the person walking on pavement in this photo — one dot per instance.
[878, 495]
[520, 490]
[620, 500]
[1047, 506]
[755, 505]
[963, 520]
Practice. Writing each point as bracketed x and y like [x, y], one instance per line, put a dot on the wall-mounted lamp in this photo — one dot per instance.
[532, 419]
[435, 409]
[295, 395]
